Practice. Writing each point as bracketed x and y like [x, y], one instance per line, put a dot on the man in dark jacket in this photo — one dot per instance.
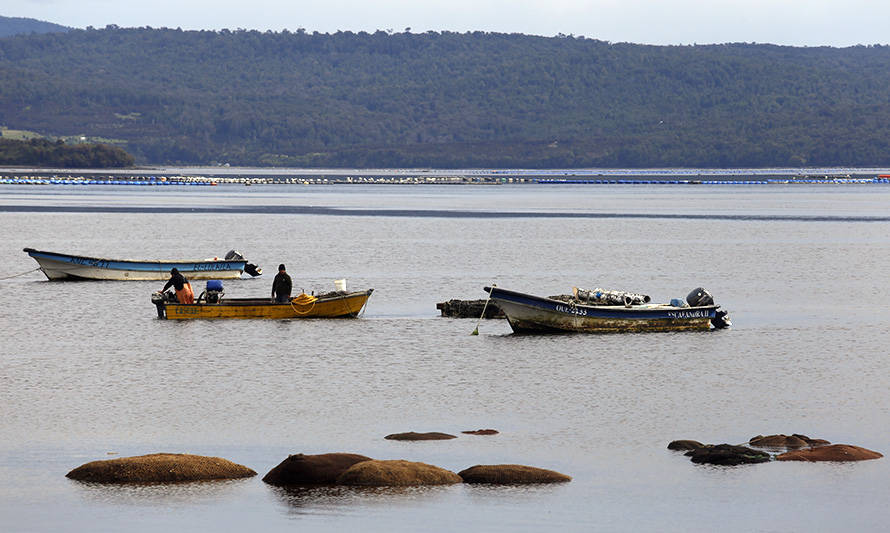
[184, 294]
[281, 286]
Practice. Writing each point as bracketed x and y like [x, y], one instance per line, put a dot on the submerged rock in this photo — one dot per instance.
[396, 473]
[411, 435]
[511, 475]
[159, 468]
[727, 455]
[481, 432]
[831, 452]
[685, 445]
[322, 469]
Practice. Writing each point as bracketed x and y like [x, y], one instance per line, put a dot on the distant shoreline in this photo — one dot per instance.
[415, 176]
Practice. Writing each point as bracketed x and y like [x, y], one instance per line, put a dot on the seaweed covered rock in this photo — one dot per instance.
[411, 435]
[727, 455]
[397, 473]
[511, 475]
[685, 445]
[831, 452]
[159, 468]
[481, 432]
[322, 469]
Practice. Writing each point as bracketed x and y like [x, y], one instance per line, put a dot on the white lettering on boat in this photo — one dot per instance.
[687, 314]
[572, 310]
[210, 266]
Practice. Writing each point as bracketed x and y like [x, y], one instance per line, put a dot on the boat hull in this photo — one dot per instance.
[345, 306]
[64, 267]
[533, 314]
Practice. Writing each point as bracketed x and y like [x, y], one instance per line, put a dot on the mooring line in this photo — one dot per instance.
[22, 274]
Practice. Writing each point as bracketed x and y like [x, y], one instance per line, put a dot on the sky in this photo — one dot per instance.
[786, 22]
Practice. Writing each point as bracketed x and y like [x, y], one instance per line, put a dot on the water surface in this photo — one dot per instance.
[87, 370]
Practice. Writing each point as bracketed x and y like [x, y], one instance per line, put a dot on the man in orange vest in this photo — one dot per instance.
[184, 294]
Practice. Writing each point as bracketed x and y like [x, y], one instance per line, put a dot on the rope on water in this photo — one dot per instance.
[22, 274]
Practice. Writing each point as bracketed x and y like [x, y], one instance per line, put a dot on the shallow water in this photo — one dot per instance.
[88, 372]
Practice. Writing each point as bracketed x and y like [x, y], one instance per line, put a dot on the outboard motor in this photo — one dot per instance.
[158, 299]
[699, 297]
[721, 320]
[213, 292]
[234, 255]
[250, 268]
[253, 270]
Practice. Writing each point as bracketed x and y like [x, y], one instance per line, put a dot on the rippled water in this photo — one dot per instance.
[88, 372]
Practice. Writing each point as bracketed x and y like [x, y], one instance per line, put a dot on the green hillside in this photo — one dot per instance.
[448, 99]
[42, 152]
[18, 25]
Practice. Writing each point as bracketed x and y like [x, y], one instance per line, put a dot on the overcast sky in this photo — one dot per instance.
[789, 22]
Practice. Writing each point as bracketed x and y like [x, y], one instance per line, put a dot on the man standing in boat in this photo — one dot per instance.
[281, 286]
[184, 294]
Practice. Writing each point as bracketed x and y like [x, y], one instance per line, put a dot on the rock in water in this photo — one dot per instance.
[411, 435]
[322, 469]
[778, 441]
[159, 468]
[396, 474]
[685, 445]
[727, 455]
[831, 452]
[481, 432]
[511, 475]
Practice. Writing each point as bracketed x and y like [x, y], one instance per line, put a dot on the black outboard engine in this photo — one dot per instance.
[214, 291]
[159, 298]
[699, 297]
[250, 268]
[253, 270]
[721, 319]
[234, 255]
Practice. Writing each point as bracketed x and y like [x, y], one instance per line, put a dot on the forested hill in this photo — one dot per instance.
[16, 25]
[448, 99]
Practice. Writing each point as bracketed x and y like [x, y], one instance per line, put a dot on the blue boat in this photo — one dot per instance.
[59, 266]
[535, 314]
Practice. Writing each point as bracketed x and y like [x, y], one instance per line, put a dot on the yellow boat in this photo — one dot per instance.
[334, 305]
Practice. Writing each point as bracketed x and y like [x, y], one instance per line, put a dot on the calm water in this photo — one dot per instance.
[88, 372]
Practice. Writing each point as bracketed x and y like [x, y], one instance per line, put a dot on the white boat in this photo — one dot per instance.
[59, 266]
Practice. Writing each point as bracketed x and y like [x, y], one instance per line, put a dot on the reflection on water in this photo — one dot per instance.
[156, 494]
[334, 499]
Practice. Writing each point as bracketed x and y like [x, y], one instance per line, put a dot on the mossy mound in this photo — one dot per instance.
[396, 474]
[322, 469]
[831, 452]
[685, 445]
[411, 435]
[159, 468]
[727, 455]
[511, 475]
